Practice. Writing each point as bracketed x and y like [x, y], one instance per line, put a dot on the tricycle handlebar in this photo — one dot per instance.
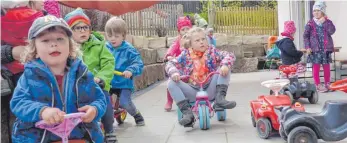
[203, 82]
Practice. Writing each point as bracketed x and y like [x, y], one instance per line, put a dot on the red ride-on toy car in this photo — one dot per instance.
[339, 85]
[266, 109]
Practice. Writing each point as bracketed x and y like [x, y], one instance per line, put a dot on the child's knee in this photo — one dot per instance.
[172, 84]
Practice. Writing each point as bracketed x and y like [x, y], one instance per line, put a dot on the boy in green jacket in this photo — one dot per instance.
[98, 59]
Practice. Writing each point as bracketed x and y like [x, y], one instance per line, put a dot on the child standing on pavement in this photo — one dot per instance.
[183, 25]
[98, 59]
[289, 54]
[319, 44]
[128, 61]
[54, 83]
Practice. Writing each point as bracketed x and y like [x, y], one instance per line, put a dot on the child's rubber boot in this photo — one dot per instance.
[188, 117]
[220, 102]
[139, 120]
[168, 105]
[111, 137]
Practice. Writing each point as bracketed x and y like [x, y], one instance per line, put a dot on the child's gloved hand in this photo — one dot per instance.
[224, 70]
[52, 115]
[127, 74]
[176, 77]
[90, 113]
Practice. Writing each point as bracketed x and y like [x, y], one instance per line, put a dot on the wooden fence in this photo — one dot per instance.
[158, 20]
[246, 20]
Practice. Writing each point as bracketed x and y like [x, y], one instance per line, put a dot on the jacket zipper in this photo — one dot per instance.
[84, 126]
[44, 133]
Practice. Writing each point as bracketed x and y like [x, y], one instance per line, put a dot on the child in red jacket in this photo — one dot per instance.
[183, 25]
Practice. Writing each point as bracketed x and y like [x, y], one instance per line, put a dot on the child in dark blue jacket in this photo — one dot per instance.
[128, 61]
[55, 82]
[289, 54]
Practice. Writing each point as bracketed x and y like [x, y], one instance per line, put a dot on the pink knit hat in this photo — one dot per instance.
[183, 21]
[289, 28]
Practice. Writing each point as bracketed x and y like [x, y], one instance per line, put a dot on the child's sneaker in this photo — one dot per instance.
[111, 138]
[139, 119]
[321, 88]
[327, 86]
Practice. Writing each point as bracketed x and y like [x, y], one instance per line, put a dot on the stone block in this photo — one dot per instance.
[149, 56]
[244, 65]
[140, 42]
[161, 54]
[257, 49]
[156, 43]
[221, 39]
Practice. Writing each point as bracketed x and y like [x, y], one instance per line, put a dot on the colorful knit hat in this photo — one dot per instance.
[289, 28]
[76, 16]
[183, 21]
[320, 5]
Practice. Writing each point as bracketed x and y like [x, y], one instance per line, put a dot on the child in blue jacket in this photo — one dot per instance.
[55, 82]
[128, 61]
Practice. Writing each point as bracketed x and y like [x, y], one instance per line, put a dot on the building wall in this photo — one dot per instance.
[336, 11]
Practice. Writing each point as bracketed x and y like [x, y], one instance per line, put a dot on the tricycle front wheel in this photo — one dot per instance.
[313, 99]
[302, 134]
[204, 117]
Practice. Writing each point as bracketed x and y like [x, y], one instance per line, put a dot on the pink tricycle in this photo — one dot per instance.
[64, 129]
[202, 107]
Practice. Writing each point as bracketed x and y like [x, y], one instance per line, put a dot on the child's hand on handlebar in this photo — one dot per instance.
[90, 113]
[127, 74]
[52, 115]
[176, 77]
[224, 70]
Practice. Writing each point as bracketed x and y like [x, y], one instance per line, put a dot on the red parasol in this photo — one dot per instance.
[113, 7]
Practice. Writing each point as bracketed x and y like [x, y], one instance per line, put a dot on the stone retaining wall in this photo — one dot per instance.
[153, 51]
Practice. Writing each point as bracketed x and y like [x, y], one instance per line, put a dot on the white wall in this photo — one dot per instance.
[337, 12]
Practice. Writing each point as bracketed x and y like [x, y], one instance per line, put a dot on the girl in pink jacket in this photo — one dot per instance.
[183, 25]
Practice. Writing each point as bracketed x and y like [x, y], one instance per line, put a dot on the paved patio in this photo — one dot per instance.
[162, 127]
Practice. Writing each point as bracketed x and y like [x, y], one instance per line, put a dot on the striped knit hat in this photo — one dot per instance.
[76, 17]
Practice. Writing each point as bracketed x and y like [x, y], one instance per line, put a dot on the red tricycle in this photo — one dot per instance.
[266, 109]
[339, 85]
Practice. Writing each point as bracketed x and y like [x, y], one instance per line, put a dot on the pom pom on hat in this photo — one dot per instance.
[76, 16]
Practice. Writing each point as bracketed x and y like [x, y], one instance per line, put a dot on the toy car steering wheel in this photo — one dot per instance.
[63, 129]
[339, 85]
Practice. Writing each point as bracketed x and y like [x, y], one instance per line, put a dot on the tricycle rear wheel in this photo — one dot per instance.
[221, 115]
[302, 134]
[283, 134]
[264, 128]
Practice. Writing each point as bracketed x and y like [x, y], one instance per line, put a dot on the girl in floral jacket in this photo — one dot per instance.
[198, 61]
[319, 44]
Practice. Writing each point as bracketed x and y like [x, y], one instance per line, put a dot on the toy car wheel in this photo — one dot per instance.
[302, 134]
[313, 99]
[290, 95]
[221, 115]
[253, 120]
[271, 92]
[204, 117]
[264, 128]
[283, 134]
